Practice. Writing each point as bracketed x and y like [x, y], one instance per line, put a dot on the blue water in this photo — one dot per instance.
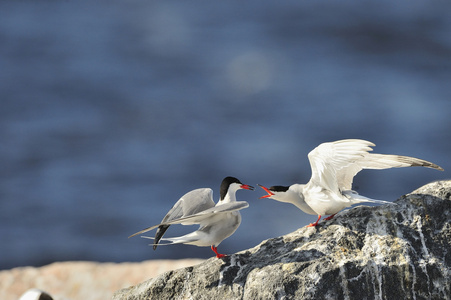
[112, 110]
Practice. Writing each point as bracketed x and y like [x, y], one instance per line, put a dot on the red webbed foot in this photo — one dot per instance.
[314, 224]
[215, 250]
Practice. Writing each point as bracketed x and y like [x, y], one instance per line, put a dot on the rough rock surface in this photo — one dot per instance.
[394, 251]
[83, 280]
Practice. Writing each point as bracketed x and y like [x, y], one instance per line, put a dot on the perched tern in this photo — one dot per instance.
[217, 221]
[334, 166]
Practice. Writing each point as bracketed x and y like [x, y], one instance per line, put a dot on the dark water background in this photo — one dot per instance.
[112, 110]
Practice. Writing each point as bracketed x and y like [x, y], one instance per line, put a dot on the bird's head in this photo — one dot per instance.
[231, 185]
[276, 192]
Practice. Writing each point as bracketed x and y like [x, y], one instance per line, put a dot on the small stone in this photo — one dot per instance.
[35, 294]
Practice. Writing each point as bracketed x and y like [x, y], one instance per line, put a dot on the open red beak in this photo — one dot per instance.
[247, 187]
[266, 190]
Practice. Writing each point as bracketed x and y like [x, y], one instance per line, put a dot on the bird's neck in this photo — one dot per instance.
[229, 197]
[295, 194]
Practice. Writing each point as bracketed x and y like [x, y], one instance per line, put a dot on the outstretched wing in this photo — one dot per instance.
[201, 216]
[335, 164]
[386, 161]
[189, 204]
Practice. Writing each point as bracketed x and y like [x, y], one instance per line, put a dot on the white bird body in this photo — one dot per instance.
[222, 225]
[334, 166]
[216, 221]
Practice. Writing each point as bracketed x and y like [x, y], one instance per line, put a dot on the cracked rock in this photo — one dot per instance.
[394, 251]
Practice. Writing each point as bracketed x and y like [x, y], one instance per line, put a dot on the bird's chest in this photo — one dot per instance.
[226, 222]
[324, 202]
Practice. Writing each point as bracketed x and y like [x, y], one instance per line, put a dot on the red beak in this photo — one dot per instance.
[266, 190]
[247, 187]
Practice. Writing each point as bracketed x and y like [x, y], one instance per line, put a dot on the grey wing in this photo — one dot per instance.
[189, 204]
[218, 209]
[201, 216]
[387, 161]
[380, 162]
[348, 157]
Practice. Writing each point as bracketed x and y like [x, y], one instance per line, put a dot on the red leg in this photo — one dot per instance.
[329, 217]
[215, 250]
[314, 224]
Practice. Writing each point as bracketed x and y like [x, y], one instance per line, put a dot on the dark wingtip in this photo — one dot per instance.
[416, 162]
[159, 234]
[432, 166]
[439, 168]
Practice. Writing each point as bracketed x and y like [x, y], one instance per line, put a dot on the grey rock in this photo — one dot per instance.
[394, 251]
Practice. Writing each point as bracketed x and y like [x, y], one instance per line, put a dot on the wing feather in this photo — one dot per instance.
[200, 216]
[189, 204]
[335, 164]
